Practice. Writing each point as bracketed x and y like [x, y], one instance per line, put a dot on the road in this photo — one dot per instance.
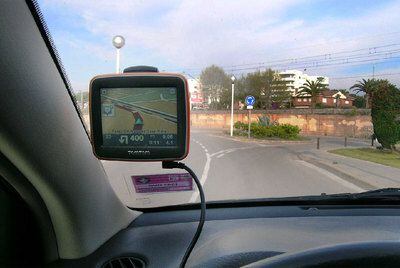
[236, 169]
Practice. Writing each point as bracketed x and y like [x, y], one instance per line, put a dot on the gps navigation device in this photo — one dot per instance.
[139, 116]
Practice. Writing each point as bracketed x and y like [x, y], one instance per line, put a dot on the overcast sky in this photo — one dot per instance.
[190, 35]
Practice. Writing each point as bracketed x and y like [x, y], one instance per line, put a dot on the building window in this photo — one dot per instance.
[324, 100]
[309, 99]
[334, 100]
[299, 100]
[346, 102]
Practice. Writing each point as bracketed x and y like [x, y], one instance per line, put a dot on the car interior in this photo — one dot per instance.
[58, 208]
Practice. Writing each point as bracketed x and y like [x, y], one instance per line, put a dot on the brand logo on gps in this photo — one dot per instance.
[139, 152]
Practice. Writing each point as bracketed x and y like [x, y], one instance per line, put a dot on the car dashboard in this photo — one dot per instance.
[237, 236]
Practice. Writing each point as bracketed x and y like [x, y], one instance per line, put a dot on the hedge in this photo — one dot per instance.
[284, 131]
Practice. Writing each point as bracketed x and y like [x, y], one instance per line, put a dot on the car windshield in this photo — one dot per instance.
[313, 87]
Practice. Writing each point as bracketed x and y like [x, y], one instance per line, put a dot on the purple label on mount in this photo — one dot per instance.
[162, 183]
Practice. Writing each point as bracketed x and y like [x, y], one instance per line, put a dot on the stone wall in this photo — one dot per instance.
[331, 122]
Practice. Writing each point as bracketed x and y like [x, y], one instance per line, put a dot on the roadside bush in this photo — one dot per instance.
[385, 114]
[266, 121]
[259, 131]
[290, 131]
[240, 125]
[284, 131]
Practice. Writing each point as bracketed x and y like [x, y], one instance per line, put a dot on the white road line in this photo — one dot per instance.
[203, 178]
[231, 150]
[333, 177]
[206, 168]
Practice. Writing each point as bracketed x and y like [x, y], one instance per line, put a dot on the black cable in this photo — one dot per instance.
[170, 165]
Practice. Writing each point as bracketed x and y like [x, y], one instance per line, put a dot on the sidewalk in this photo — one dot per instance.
[365, 174]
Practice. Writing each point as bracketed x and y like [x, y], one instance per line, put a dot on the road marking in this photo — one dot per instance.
[206, 168]
[231, 150]
[203, 178]
[333, 177]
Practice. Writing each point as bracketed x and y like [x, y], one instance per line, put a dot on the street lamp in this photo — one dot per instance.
[118, 42]
[233, 94]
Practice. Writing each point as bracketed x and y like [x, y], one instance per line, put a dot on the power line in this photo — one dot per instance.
[327, 64]
[316, 64]
[365, 75]
[341, 41]
[325, 56]
[370, 50]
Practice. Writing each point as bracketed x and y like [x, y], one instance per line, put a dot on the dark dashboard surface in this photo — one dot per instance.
[238, 236]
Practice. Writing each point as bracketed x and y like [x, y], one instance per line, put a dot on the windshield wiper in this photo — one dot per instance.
[368, 197]
[383, 193]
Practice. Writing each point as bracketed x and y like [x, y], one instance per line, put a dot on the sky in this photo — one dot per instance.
[344, 40]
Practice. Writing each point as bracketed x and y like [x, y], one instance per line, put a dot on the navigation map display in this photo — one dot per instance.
[139, 117]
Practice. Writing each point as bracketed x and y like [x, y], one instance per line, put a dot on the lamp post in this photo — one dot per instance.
[118, 42]
[233, 94]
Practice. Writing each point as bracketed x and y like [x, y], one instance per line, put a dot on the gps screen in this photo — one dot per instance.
[139, 117]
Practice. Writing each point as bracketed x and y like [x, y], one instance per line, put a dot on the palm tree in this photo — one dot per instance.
[313, 89]
[368, 87]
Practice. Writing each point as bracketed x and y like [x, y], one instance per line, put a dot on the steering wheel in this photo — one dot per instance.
[362, 254]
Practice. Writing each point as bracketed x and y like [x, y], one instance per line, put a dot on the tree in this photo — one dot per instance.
[280, 94]
[82, 95]
[215, 83]
[385, 114]
[85, 95]
[359, 101]
[313, 89]
[267, 87]
[367, 87]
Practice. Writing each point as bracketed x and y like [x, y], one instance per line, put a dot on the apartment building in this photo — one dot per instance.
[295, 79]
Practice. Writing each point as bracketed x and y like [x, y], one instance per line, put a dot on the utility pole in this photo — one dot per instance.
[373, 71]
[232, 102]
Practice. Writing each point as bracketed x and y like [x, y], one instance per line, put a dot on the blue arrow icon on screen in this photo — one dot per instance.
[139, 121]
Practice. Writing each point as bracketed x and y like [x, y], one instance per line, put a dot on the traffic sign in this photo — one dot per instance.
[250, 100]
[249, 107]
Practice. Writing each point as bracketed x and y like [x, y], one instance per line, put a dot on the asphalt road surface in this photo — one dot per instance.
[235, 169]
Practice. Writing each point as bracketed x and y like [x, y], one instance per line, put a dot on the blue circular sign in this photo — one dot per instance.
[250, 100]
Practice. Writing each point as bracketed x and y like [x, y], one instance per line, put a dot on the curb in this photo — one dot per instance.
[338, 172]
[243, 139]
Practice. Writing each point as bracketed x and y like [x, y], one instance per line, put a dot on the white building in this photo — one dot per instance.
[295, 79]
[196, 94]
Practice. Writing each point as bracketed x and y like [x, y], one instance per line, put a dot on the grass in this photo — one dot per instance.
[373, 155]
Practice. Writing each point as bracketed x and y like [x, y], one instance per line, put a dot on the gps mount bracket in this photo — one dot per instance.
[141, 69]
